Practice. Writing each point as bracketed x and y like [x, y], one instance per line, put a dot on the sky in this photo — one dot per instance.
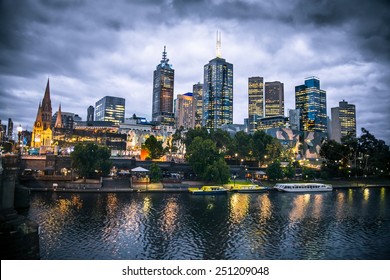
[92, 49]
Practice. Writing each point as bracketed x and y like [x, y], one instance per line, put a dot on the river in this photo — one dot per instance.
[343, 224]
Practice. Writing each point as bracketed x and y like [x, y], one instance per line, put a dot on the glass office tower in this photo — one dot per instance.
[255, 102]
[163, 83]
[110, 108]
[311, 102]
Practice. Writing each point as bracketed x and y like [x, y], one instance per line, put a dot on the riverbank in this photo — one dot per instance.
[123, 186]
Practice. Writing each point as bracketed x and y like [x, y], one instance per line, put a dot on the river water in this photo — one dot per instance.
[343, 224]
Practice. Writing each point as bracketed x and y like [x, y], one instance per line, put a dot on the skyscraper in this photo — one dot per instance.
[197, 103]
[255, 102]
[10, 129]
[184, 111]
[311, 101]
[110, 108]
[163, 83]
[90, 114]
[218, 91]
[274, 99]
[343, 121]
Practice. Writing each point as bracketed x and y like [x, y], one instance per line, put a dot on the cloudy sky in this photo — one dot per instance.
[90, 49]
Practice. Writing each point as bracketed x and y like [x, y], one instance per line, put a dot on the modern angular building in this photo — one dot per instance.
[184, 111]
[197, 103]
[310, 99]
[217, 91]
[163, 83]
[343, 121]
[110, 108]
[274, 99]
[255, 102]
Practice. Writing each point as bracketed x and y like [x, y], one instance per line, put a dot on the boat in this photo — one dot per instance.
[208, 190]
[303, 187]
[248, 188]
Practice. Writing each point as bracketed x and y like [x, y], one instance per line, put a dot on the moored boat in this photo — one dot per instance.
[248, 188]
[303, 187]
[208, 190]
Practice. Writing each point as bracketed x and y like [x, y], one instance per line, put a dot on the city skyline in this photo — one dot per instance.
[91, 51]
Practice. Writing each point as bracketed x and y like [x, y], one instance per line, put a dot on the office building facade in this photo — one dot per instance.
[111, 109]
[184, 113]
[197, 102]
[163, 89]
[343, 121]
[274, 99]
[255, 102]
[310, 99]
[218, 91]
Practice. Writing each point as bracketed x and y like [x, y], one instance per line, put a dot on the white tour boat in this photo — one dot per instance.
[303, 187]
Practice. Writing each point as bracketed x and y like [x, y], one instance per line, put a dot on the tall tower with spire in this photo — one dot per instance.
[42, 133]
[218, 91]
[163, 83]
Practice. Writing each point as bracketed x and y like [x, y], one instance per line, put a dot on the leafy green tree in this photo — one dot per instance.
[289, 171]
[260, 143]
[87, 158]
[201, 154]
[274, 171]
[274, 150]
[155, 173]
[193, 133]
[244, 144]
[375, 154]
[335, 156]
[308, 173]
[154, 147]
[222, 140]
[218, 172]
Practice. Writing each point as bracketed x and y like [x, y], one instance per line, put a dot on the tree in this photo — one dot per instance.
[335, 156]
[218, 172]
[87, 158]
[260, 142]
[243, 144]
[200, 154]
[274, 150]
[274, 171]
[289, 172]
[155, 173]
[222, 140]
[154, 147]
[193, 133]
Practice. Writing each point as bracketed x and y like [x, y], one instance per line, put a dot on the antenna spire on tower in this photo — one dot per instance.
[164, 55]
[218, 44]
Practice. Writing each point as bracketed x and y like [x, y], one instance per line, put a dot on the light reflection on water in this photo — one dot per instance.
[343, 224]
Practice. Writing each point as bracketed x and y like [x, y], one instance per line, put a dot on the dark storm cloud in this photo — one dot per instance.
[97, 48]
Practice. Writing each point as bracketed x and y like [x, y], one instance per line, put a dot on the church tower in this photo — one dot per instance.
[42, 133]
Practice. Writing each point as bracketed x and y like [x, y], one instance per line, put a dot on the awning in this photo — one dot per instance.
[139, 169]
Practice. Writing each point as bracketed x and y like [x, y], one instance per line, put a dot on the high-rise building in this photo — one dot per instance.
[163, 84]
[218, 91]
[10, 129]
[311, 101]
[90, 114]
[255, 102]
[42, 133]
[293, 117]
[274, 99]
[184, 111]
[197, 103]
[110, 108]
[343, 121]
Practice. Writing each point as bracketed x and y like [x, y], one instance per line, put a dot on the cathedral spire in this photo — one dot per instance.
[38, 120]
[58, 123]
[46, 107]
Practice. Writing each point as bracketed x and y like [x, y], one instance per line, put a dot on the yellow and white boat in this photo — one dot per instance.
[248, 188]
[208, 190]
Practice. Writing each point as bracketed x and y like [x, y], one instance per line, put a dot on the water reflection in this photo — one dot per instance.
[239, 204]
[236, 226]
